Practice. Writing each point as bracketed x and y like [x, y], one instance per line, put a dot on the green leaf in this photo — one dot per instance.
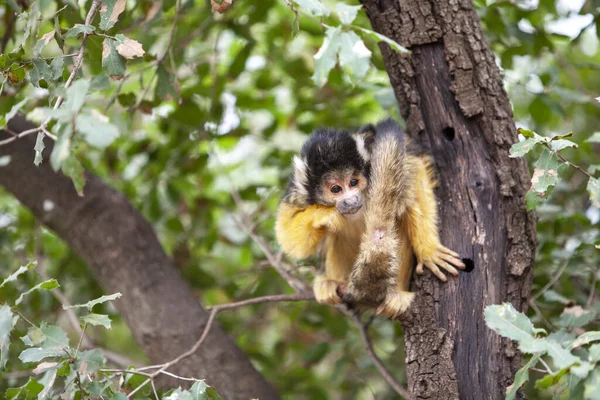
[551, 379]
[576, 317]
[559, 137]
[521, 377]
[75, 95]
[38, 148]
[47, 336]
[90, 361]
[13, 111]
[62, 147]
[315, 7]
[28, 391]
[79, 29]
[585, 338]
[508, 322]
[593, 188]
[527, 133]
[533, 199]
[119, 396]
[57, 66]
[22, 269]
[562, 144]
[392, 43]
[562, 357]
[346, 13]
[325, 58]
[316, 353]
[592, 386]
[110, 11]
[72, 168]
[354, 55]
[97, 319]
[46, 285]
[594, 353]
[90, 304]
[519, 149]
[99, 82]
[40, 71]
[36, 354]
[164, 84]
[7, 323]
[96, 129]
[43, 42]
[595, 138]
[112, 63]
[545, 173]
[201, 391]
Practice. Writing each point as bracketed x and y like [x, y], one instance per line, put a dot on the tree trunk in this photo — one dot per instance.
[122, 250]
[451, 95]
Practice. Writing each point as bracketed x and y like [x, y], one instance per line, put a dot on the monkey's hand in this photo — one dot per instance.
[442, 257]
[327, 218]
[326, 290]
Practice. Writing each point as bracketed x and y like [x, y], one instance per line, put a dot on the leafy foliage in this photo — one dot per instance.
[177, 106]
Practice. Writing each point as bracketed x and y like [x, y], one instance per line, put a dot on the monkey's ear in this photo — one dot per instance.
[300, 179]
[364, 143]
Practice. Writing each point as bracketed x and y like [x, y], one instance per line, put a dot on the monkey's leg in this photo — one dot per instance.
[398, 302]
[421, 222]
[338, 264]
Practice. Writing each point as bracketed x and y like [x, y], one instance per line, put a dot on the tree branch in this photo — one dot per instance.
[122, 250]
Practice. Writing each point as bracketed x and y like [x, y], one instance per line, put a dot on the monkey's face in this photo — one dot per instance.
[345, 189]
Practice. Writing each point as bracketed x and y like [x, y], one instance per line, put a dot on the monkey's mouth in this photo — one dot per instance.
[353, 211]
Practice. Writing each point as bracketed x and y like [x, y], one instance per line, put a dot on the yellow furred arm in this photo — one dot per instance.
[300, 230]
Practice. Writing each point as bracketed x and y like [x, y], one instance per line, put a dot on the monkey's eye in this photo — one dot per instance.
[336, 189]
[353, 182]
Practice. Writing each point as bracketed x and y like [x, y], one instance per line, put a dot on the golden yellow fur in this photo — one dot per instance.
[369, 255]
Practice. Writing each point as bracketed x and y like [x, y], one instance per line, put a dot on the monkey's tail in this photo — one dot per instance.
[389, 177]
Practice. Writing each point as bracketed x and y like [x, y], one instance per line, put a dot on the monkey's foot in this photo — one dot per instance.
[326, 290]
[445, 258]
[395, 303]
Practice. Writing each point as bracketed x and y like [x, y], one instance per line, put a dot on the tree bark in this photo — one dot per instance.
[123, 252]
[451, 95]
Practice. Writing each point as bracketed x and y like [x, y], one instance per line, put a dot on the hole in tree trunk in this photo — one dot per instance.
[470, 265]
[448, 133]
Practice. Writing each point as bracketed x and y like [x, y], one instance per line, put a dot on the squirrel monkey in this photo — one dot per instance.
[366, 202]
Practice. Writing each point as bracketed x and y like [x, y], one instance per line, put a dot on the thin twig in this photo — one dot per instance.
[213, 313]
[590, 299]
[19, 135]
[548, 369]
[402, 391]
[76, 67]
[538, 312]
[81, 338]
[552, 281]
[264, 299]
[162, 57]
[569, 163]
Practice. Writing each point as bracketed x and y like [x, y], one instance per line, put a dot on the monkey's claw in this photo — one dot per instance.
[326, 290]
[444, 258]
[395, 304]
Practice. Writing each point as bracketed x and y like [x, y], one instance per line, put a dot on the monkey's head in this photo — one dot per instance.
[332, 170]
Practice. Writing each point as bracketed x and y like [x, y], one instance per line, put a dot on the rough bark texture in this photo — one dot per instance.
[450, 93]
[122, 250]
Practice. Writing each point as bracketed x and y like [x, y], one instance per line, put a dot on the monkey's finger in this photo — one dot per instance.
[436, 271]
[446, 266]
[419, 269]
[446, 250]
[454, 261]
